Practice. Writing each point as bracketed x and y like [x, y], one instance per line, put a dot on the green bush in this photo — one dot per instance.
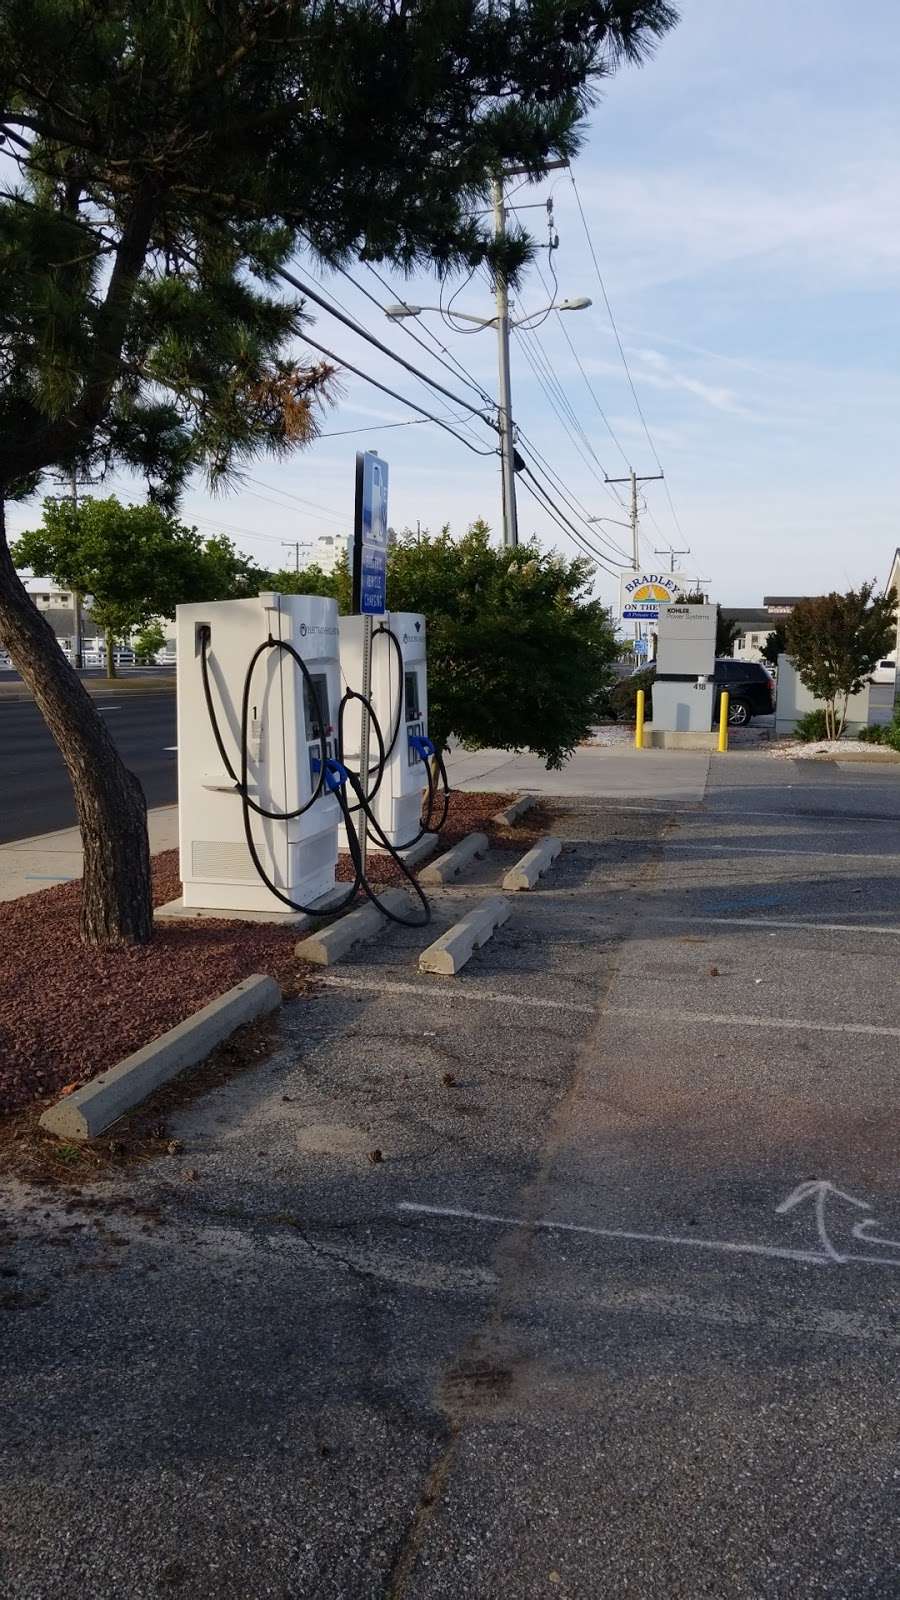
[812, 727]
[873, 735]
[623, 695]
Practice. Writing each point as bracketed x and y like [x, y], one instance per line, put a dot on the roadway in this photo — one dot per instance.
[36, 796]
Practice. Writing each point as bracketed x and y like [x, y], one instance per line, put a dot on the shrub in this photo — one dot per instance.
[812, 727]
[874, 735]
[623, 695]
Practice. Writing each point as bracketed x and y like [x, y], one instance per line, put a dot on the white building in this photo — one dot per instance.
[327, 550]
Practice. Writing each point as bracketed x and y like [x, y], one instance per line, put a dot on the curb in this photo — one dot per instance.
[331, 944]
[452, 950]
[96, 687]
[423, 847]
[452, 861]
[506, 818]
[525, 873]
[95, 1105]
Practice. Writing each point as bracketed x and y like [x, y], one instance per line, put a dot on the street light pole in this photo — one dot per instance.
[504, 398]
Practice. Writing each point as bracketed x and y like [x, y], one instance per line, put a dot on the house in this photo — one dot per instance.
[757, 622]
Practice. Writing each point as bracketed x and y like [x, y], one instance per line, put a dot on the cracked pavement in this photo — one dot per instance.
[557, 1340]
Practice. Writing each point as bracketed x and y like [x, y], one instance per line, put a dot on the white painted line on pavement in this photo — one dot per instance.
[761, 850]
[773, 1252]
[782, 922]
[430, 991]
[109, 708]
[737, 1020]
[170, 747]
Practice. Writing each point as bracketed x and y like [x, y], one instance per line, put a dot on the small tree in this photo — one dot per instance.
[148, 643]
[774, 645]
[518, 654]
[836, 641]
[135, 561]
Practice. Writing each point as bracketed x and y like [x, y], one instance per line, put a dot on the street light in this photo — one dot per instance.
[502, 322]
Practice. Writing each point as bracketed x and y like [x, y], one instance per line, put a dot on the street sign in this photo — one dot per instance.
[370, 535]
[640, 647]
[642, 593]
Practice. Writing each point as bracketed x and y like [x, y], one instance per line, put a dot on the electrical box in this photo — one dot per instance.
[284, 751]
[397, 689]
[685, 663]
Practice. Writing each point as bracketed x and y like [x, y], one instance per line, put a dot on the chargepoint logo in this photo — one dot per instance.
[314, 628]
[413, 638]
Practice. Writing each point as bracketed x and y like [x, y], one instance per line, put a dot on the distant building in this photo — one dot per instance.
[327, 550]
[757, 622]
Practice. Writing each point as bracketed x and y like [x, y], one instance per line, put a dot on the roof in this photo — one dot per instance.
[781, 600]
[748, 616]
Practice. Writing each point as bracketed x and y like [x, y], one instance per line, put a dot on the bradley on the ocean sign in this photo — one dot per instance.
[642, 594]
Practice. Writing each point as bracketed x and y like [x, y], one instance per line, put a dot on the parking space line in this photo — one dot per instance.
[478, 997]
[716, 1019]
[775, 850]
[779, 922]
[814, 1258]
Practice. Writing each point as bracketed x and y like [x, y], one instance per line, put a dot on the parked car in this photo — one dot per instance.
[751, 689]
[886, 671]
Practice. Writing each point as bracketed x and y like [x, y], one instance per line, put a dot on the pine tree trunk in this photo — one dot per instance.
[116, 905]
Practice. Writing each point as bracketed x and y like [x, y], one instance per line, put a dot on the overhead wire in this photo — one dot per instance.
[463, 421]
[621, 347]
[364, 333]
[548, 504]
[403, 399]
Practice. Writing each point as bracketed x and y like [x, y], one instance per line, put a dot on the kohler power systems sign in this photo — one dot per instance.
[642, 594]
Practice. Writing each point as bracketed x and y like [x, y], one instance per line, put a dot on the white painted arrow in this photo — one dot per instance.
[861, 1232]
[817, 1190]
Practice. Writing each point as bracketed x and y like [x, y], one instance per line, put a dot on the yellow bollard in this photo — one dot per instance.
[723, 722]
[639, 721]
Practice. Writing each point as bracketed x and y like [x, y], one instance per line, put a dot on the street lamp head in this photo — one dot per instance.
[402, 310]
[579, 303]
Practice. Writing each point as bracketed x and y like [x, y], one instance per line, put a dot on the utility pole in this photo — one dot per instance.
[634, 480]
[671, 555]
[504, 398]
[296, 546]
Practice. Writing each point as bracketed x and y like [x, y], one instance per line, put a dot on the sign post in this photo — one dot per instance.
[369, 589]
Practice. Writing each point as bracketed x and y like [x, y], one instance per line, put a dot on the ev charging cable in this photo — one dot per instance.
[333, 776]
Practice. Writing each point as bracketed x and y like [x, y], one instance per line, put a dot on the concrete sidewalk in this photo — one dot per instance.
[28, 865]
[612, 772]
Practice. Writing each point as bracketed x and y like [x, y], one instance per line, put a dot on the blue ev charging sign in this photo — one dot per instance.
[370, 535]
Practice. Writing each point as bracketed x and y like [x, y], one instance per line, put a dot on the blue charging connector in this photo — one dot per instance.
[422, 745]
[336, 774]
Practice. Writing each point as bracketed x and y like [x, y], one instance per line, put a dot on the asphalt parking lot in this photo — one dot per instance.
[616, 1312]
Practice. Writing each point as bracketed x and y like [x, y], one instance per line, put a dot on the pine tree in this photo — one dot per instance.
[173, 154]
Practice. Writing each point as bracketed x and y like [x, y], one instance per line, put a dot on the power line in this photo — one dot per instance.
[323, 350]
[357, 328]
[549, 507]
[445, 357]
[461, 421]
[575, 505]
[612, 321]
[590, 387]
[548, 391]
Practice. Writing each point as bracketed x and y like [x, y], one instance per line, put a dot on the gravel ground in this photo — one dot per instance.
[70, 1011]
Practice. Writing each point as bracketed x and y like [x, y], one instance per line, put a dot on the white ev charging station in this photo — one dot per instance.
[284, 750]
[398, 690]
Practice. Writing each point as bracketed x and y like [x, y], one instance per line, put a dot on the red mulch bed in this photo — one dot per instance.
[69, 1011]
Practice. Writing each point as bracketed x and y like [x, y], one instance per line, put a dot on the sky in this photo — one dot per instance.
[742, 191]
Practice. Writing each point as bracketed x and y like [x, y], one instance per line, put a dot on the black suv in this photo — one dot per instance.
[751, 690]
